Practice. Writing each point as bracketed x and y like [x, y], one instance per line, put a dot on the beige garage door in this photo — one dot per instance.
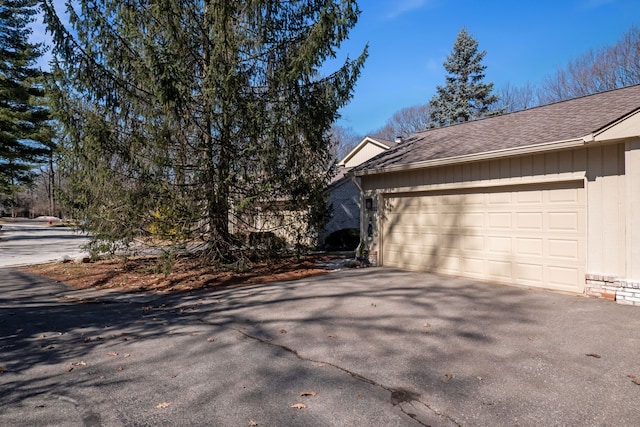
[527, 235]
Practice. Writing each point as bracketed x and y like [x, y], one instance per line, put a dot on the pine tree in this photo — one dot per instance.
[24, 132]
[465, 96]
[182, 116]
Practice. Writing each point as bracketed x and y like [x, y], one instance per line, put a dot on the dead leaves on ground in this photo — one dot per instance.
[163, 405]
[446, 378]
[634, 379]
[74, 364]
[304, 394]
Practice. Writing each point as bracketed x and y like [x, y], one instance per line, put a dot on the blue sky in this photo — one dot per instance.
[525, 42]
[410, 39]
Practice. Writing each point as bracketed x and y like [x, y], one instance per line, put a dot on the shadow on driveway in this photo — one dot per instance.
[375, 346]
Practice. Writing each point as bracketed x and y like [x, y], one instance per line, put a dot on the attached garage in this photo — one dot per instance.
[529, 235]
[547, 197]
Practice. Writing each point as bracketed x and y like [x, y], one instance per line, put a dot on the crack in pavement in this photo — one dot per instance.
[398, 395]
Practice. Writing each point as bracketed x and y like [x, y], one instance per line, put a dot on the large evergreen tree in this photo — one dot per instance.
[465, 95]
[24, 131]
[182, 116]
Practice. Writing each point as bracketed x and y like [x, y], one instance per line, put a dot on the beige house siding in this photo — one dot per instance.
[365, 153]
[608, 199]
[606, 210]
[632, 209]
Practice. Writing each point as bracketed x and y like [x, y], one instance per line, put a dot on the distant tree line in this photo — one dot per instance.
[607, 68]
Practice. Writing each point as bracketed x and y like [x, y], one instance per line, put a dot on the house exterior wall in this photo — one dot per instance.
[364, 154]
[611, 176]
[344, 199]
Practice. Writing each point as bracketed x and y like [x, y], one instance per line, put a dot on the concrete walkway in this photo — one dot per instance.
[354, 347]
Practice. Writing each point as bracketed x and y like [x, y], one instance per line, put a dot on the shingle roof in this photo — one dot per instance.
[561, 121]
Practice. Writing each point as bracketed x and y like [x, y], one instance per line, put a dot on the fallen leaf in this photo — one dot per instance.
[479, 378]
[127, 355]
[112, 353]
[120, 369]
[634, 379]
[531, 338]
[283, 331]
[252, 423]
[332, 336]
[211, 339]
[163, 405]
[446, 378]
[308, 393]
[80, 363]
[426, 325]
[597, 356]
[299, 406]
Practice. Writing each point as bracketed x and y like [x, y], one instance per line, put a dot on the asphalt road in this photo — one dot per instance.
[356, 347]
[33, 242]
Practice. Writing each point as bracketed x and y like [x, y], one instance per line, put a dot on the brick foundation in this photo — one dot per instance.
[373, 258]
[620, 290]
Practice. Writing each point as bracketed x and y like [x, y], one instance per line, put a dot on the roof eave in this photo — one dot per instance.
[487, 155]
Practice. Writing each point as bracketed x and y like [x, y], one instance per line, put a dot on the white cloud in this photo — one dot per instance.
[400, 7]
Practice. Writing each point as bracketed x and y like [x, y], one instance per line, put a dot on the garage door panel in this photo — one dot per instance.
[473, 221]
[528, 246]
[500, 245]
[499, 198]
[529, 198]
[499, 220]
[449, 264]
[499, 269]
[524, 235]
[474, 199]
[529, 274]
[565, 195]
[563, 221]
[473, 267]
[472, 243]
[563, 277]
[567, 249]
[530, 220]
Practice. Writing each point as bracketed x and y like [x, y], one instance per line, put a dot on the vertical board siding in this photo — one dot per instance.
[604, 168]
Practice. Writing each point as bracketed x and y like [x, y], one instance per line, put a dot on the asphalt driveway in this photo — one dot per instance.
[350, 348]
[27, 241]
